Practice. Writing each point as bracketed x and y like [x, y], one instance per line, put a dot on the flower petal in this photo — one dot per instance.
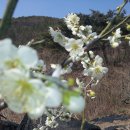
[54, 97]
[28, 56]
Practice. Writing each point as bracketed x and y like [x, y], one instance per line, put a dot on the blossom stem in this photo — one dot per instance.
[83, 120]
[33, 43]
[83, 114]
[89, 83]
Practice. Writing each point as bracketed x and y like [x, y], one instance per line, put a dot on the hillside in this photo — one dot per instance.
[24, 29]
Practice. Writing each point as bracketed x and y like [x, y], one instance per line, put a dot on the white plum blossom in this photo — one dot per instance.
[61, 71]
[115, 39]
[84, 31]
[85, 61]
[13, 57]
[90, 37]
[58, 37]
[80, 83]
[96, 70]
[75, 48]
[76, 104]
[58, 70]
[118, 33]
[91, 54]
[53, 96]
[27, 56]
[72, 22]
[51, 122]
[23, 94]
[72, 19]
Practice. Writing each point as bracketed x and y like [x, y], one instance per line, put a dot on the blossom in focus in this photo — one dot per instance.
[90, 37]
[85, 61]
[75, 47]
[58, 37]
[61, 71]
[84, 31]
[96, 70]
[115, 39]
[72, 22]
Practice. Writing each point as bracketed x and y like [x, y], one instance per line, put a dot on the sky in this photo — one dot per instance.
[60, 8]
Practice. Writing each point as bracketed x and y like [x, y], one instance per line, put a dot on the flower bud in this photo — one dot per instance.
[91, 94]
[128, 27]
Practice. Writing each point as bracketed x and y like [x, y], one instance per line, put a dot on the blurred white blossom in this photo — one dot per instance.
[72, 22]
[76, 104]
[53, 96]
[23, 94]
[12, 57]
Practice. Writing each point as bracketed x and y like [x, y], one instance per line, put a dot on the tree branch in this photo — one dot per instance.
[118, 25]
[110, 23]
[6, 21]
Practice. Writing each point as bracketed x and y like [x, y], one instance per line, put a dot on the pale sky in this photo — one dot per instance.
[60, 8]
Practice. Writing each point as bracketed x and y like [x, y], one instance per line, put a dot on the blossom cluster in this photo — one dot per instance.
[28, 91]
[93, 65]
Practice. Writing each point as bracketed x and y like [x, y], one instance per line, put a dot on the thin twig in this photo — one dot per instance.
[110, 23]
[118, 25]
[32, 42]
